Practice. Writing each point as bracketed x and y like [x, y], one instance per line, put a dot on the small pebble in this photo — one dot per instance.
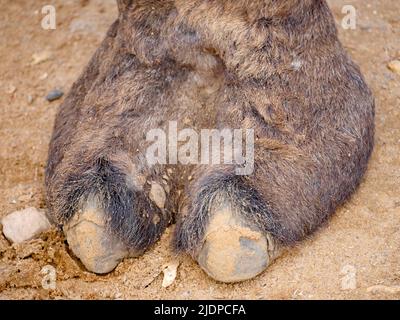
[24, 225]
[30, 99]
[169, 271]
[157, 195]
[54, 95]
[44, 76]
[384, 289]
[40, 57]
[11, 89]
[394, 66]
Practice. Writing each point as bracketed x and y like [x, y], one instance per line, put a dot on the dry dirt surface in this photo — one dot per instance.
[357, 251]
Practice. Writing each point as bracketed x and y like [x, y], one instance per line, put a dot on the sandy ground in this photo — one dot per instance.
[360, 246]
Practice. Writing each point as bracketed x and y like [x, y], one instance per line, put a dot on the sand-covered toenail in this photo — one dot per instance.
[232, 250]
[87, 238]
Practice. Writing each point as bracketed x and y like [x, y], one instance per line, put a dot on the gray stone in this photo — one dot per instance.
[24, 225]
[54, 95]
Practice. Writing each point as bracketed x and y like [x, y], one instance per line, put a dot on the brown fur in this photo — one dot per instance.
[274, 66]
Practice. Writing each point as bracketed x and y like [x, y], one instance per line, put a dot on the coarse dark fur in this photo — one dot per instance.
[273, 66]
